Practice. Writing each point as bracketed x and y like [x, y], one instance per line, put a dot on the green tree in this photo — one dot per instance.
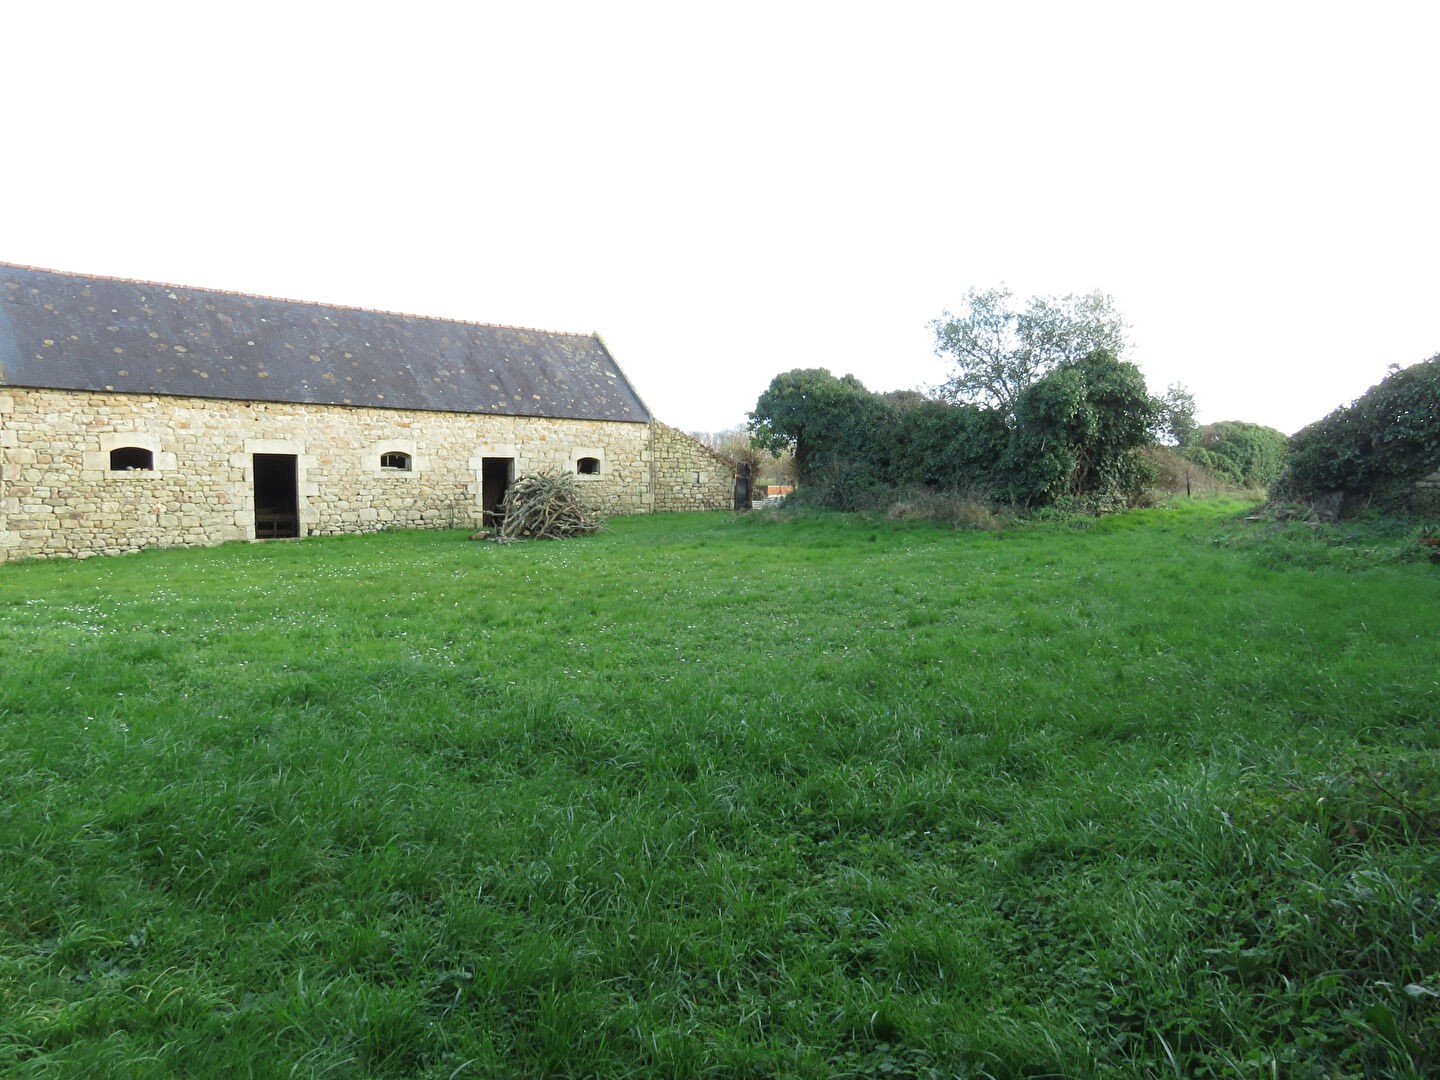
[822, 420]
[998, 349]
[1073, 434]
[1075, 431]
[1250, 455]
[1175, 416]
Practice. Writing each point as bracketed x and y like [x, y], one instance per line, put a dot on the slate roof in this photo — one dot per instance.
[73, 332]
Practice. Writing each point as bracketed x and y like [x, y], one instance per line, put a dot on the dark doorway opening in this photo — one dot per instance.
[495, 476]
[277, 506]
[742, 487]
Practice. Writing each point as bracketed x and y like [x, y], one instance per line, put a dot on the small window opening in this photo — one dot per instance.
[396, 460]
[589, 466]
[697, 477]
[131, 459]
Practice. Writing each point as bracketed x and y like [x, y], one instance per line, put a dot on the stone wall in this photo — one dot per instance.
[59, 495]
[688, 475]
[1427, 493]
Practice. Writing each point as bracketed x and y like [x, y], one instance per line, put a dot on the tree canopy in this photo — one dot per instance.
[1039, 409]
[1071, 435]
[998, 348]
[1075, 429]
[1175, 416]
[815, 415]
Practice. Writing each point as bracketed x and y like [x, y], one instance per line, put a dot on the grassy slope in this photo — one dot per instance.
[809, 798]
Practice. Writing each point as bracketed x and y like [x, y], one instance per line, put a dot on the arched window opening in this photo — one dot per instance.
[396, 461]
[588, 466]
[131, 458]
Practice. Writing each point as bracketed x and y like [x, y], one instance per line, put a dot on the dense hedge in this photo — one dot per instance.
[1073, 436]
[937, 445]
[1375, 448]
[1247, 455]
[1075, 431]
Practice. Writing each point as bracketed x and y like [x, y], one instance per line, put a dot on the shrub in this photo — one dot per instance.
[846, 483]
[1075, 432]
[826, 422]
[852, 447]
[1073, 435]
[946, 446]
[1246, 455]
[1373, 450]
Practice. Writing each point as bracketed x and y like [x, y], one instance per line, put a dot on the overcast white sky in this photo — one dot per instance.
[728, 191]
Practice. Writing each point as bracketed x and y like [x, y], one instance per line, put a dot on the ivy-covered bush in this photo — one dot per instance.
[851, 444]
[1374, 449]
[1072, 437]
[941, 446]
[831, 424]
[1248, 455]
[1076, 431]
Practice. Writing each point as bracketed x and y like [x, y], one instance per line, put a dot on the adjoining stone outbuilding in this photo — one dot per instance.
[136, 414]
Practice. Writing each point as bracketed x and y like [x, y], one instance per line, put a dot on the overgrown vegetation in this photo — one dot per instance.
[1073, 438]
[1173, 474]
[1249, 456]
[1148, 795]
[1076, 432]
[1372, 451]
[1039, 411]
[737, 448]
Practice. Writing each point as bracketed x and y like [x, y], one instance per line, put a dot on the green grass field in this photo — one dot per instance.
[1150, 796]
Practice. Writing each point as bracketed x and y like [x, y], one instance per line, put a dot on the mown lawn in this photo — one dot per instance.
[1151, 796]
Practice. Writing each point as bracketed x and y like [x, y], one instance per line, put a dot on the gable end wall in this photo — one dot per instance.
[688, 475]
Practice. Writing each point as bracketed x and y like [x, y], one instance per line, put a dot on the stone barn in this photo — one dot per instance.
[136, 414]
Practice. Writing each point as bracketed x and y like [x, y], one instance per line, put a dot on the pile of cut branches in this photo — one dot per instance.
[545, 506]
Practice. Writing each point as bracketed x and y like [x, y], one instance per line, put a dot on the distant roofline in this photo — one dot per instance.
[292, 300]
